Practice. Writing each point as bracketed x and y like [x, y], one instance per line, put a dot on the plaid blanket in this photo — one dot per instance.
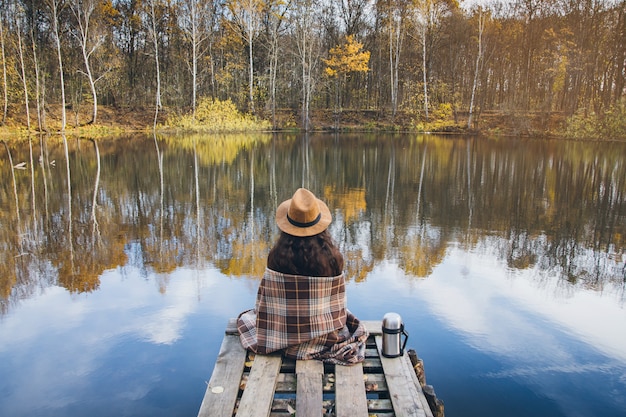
[306, 317]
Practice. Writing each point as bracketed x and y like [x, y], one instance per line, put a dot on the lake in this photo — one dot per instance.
[122, 261]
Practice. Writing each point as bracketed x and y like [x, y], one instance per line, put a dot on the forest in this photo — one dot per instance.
[435, 64]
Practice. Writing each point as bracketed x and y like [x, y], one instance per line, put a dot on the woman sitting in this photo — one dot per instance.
[301, 302]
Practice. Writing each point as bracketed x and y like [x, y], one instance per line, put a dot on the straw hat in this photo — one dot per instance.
[303, 214]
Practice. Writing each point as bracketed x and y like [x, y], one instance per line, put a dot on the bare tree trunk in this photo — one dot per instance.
[23, 72]
[274, 28]
[273, 72]
[247, 15]
[83, 10]
[92, 86]
[250, 70]
[155, 41]
[55, 7]
[38, 95]
[5, 109]
[194, 72]
[198, 19]
[307, 50]
[305, 99]
[481, 28]
[275, 17]
[395, 42]
[424, 69]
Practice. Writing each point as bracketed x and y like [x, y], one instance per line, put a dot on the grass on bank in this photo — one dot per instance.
[215, 116]
[223, 117]
[609, 125]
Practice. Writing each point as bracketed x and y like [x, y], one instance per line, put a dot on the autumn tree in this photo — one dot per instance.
[132, 43]
[428, 16]
[353, 13]
[19, 15]
[343, 60]
[5, 106]
[197, 22]
[246, 15]
[152, 12]
[482, 16]
[307, 28]
[392, 15]
[275, 22]
[87, 13]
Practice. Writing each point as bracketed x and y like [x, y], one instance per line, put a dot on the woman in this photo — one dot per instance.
[301, 303]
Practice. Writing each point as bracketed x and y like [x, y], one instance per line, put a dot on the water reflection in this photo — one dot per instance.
[558, 208]
[122, 259]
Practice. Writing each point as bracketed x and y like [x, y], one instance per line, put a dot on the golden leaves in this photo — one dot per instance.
[347, 58]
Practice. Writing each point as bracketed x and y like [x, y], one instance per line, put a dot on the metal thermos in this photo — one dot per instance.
[393, 329]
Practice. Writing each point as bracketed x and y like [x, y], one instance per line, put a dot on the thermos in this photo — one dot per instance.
[393, 329]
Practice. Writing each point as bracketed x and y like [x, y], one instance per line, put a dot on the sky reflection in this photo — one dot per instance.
[537, 331]
[65, 349]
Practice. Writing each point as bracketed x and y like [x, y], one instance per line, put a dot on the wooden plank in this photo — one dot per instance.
[416, 381]
[231, 327]
[403, 391]
[309, 388]
[350, 400]
[221, 393]
[257, 397]
[374, 327]
[380, 406]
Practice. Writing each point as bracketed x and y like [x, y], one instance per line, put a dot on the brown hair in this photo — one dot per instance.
[314, 256]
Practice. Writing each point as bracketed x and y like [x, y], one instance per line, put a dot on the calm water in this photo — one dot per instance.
[505, 259]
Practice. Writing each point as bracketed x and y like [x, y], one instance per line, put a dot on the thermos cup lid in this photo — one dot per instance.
[392, 321]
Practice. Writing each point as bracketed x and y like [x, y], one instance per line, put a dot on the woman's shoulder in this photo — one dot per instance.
[270, 273]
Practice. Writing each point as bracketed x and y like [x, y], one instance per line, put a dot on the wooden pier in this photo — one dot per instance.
[248, 385]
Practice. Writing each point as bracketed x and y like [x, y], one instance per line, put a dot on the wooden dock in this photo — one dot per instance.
[248, 385]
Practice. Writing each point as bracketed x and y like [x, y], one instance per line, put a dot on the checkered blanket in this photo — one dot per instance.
[306, 317]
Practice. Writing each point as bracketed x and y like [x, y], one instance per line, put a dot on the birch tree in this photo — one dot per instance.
[481, 18]
[275, 18]
[393, 13]
[90, 41]
[20, 53]
[155, 43]
[428, 15]
[5, 83]
[54, 8]
[308, 51]
[197, 17]
[247, 16]
[39, 97]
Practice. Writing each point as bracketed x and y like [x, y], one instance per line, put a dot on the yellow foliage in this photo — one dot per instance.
[108, 12]
[347, 58]
[217, 116]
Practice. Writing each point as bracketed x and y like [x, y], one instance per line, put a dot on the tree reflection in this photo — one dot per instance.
[164, 203]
